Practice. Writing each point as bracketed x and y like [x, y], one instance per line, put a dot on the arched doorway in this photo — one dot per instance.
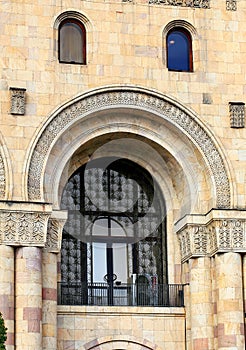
[115, 233]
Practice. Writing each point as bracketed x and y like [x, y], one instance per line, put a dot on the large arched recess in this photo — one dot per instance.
[190, 166]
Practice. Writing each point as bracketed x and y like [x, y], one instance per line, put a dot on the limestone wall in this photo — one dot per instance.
[129, 328]
[126, 45]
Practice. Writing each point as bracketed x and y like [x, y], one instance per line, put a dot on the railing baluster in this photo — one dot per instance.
[171, 295]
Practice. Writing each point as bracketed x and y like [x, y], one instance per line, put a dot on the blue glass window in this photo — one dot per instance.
[179, 50]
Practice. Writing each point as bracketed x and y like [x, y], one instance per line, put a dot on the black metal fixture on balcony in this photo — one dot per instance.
[123, 294]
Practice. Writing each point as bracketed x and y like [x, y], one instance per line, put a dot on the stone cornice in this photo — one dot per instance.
[23, 223]
[216, 232]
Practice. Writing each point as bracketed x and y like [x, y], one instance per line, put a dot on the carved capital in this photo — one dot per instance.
[194, 240]
[216, 232]
[22, 224]
[54, 232]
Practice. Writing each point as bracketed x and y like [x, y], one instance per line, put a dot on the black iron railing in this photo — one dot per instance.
[170, 295]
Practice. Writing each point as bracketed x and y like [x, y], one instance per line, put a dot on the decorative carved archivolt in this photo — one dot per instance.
[23, 228]
[217, 236]
[124, 97]
[205, 4]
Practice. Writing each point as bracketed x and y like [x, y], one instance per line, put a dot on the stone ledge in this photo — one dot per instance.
[121, 310]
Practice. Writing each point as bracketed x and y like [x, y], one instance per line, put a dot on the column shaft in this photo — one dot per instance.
[28, 298]
[201, 308]
[49, 300]
[7, 292]
[230, 315]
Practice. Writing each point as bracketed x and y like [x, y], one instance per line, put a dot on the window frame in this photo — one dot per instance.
[189, 48]
[83, 38]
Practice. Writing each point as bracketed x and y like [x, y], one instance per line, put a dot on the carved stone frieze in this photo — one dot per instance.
[2, 178]
[231, 5]
[184, 241]
[205, 4]
[23, 228]
[17, 101]
[215, 236]
[24, 223]
[123, 98]
[54, 235]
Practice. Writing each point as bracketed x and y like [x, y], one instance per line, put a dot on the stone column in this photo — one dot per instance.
[52, 247]
[49, 301]
[186, 283]
[7, 292]
[201, 308]
[244, 291]
[230, 311]
[28, 298]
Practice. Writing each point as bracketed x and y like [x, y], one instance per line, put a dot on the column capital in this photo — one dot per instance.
[54, 231]
[24, 223]
[215, 232]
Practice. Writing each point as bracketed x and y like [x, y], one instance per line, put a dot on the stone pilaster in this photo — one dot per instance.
[49, 277]
[213, 246]
[230, 311]
[244, 287]
[7, 292]
[28, 301]
[201, 310]
[23, 225]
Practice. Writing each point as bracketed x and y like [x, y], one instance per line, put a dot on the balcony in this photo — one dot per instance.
[114, 294]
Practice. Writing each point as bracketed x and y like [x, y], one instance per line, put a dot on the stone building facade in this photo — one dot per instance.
[121, 97]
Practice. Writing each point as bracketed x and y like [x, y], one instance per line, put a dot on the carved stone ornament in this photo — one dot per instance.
[54, 235]
[2, 178]
[231, 5]
[237, 114]
[205, 4]
[17, 101]
[216, 236]
[19, 228]
[124, 97]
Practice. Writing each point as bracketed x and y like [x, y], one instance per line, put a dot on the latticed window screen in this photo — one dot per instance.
[115, 225]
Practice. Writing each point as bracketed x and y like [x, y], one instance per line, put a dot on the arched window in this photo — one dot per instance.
[179, 50]
[114, 236]
[72, 42]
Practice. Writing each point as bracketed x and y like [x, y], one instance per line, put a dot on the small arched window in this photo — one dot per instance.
[179, 50]
[72, 42]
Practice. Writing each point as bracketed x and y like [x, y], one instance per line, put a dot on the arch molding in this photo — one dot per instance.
[134, 98]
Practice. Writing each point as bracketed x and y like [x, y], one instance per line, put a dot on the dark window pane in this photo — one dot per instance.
[178, 51]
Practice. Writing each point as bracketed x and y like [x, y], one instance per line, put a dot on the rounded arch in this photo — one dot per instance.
[72, 14]
[190, 31]
[121, 108]
[86, 23]
[120, 342]
[179, 23]
[5, 172]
